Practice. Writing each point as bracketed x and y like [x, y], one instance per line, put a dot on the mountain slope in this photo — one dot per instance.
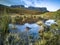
[20, 9]
[52, 15]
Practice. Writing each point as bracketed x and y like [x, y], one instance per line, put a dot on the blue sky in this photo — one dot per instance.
[51, 5]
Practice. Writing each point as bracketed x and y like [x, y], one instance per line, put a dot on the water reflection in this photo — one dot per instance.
[21, 28]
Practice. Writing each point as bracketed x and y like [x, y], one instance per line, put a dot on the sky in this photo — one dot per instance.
[51, 5]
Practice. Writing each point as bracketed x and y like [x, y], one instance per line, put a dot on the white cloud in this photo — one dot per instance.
[31, 2]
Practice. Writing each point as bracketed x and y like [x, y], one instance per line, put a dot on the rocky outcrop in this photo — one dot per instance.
[42, 9]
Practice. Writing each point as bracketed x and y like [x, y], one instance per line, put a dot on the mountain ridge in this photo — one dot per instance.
[21, 9]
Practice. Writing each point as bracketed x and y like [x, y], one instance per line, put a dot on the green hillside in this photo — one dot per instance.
[20, 11]
[52, 15]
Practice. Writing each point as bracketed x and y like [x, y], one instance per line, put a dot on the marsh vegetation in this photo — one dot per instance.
[46, 35]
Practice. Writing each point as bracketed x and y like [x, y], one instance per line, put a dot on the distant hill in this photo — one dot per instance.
[52, 15]
[21, 9]
[17, 6]
[42, 9]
